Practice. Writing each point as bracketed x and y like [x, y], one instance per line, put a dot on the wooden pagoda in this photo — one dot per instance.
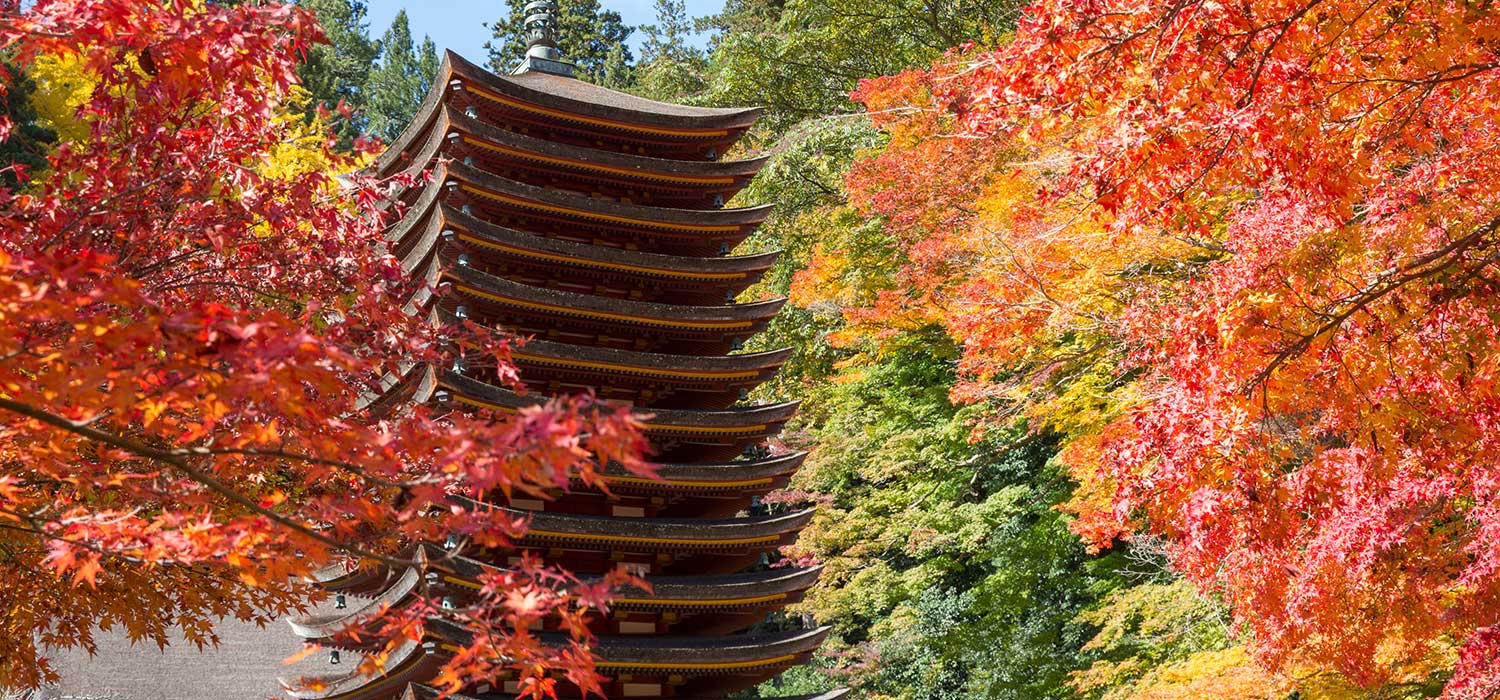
[594, 222]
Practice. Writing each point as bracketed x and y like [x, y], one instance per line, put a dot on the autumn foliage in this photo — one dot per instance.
[1242, 256]
[196, 318]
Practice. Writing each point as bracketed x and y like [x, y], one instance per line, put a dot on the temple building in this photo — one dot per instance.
[595, 223]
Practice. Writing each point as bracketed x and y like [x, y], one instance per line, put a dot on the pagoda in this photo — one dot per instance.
[595, 224]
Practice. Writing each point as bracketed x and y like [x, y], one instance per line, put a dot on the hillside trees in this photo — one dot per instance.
[399, 82]
[24, 149]
[336, 70]
[196, 318]
[670, 69]
[1242, 256]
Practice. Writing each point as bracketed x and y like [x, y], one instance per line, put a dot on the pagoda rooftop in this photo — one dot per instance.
[693, 184]
[566, 108]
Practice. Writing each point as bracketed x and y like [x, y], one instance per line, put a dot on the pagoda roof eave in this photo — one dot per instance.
[780, 465]
[683, 530]
[583, 206]
[416, 129]
[626, 360]
[637, 165]
[586, 255]
[677, 652]
[576, 98]
[399, 667]
[668, 417]
[648, 313]
[698, 588]
[326, 626]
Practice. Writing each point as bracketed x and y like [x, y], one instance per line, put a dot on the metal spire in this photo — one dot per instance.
[541, 36]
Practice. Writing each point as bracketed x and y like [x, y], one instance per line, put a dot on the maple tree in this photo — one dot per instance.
[1243, 257]
[197, 319]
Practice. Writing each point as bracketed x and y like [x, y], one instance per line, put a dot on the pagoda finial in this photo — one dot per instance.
[541, 40]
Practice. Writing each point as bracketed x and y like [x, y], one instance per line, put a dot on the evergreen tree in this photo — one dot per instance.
[339, 70]
[24, 149]
[588, 35]
[671, 68]
[400, 81]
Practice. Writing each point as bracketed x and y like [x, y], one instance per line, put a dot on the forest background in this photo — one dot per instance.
[992, 523]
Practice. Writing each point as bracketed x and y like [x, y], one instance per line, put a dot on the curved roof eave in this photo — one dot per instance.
[582, 205]
[752, 264]
[707, 530]
[628, 359]
[646, 310]
[728, 418]
[460, 121]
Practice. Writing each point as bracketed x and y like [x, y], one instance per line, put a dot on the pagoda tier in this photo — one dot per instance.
[569, 265]
[584, 218]
[694, 605]
[619, 176]
[594, 226]
[589, 319]
[638, 665]
[677, 434]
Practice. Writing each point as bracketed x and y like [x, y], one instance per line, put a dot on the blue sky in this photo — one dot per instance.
[459, 24]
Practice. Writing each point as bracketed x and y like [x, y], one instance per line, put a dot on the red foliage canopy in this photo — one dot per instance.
[190, 342]
[1253, 248]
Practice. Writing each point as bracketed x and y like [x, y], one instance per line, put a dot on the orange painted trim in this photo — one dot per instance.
[535, 109]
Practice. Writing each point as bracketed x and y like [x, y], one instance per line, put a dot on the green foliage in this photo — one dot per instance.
[671, 69]
[800, 58]
[588, 35]
[337, 72]
[24, 150]
[947, 565]
[397, 85]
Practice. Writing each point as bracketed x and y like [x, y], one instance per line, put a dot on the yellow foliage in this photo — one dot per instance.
[63, 85]
[1228, 674]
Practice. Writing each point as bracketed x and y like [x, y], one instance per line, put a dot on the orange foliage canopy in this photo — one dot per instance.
[188, 345]
[1244, 255]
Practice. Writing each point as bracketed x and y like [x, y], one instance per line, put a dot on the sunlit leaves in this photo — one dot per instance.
[1244, 256]
[195, 316]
